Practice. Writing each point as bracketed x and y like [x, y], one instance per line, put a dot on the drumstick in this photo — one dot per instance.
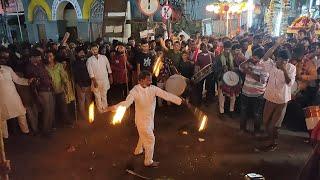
[172, 66]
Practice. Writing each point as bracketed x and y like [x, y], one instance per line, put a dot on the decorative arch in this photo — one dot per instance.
[55, 8]
[96, 11]
[38, 3]
[39, 15]
[87, 8]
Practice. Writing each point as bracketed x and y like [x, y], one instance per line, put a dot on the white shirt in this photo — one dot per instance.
[10, 102]
[145, 103]
[99, 68]
[278, 91]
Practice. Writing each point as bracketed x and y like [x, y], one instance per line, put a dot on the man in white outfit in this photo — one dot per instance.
[101, 76]
[144, 95]
[10, 104]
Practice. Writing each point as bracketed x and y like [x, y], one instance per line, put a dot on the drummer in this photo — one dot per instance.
[224, 63]
[307, 89]
[295, 118]
[306, 78]
[239, 58]
[205, 57]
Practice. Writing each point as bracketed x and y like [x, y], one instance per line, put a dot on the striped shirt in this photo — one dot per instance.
[252, 87]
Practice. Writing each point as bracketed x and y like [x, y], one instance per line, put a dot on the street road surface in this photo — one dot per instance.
[102, 151]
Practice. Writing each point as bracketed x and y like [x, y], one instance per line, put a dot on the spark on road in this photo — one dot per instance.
[203, 122]
[200, 116]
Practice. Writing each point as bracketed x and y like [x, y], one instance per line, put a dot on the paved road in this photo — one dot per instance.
[103, 151]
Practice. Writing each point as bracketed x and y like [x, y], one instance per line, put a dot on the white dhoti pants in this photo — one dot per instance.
[22, 120]
[146, 141]
[100, 95]
[222, 99]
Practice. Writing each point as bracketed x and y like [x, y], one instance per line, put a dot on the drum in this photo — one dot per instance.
[312, 114]
[203, 73]
[176, 84]
[231, 83]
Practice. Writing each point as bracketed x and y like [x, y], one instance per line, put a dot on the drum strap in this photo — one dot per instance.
[210, 57]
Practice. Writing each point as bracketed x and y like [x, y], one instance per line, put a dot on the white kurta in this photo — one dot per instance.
[145, 104]
[100, 69]
[10, 104]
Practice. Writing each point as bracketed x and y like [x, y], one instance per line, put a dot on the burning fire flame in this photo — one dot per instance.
[117, 118]
[203, 123]
[91, 113]
[200, 115]
[157, 67]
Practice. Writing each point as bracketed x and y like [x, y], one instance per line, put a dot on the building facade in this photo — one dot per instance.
[83, 19]
[51, 19]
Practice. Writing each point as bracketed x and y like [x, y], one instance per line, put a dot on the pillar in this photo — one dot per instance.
[52, 30]
[83, 29]
[127, 26]
[32, 32]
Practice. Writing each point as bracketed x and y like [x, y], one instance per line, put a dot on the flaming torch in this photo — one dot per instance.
[157, 67]
[91, 113]
[117, 118]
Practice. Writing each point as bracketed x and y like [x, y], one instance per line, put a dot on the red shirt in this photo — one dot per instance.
[194, 55]
[118, 63]
[218, 50]
[204, 59]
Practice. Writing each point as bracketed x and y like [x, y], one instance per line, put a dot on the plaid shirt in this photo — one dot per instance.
[44, 81]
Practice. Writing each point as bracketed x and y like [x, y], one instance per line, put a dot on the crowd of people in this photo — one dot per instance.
[47, 85]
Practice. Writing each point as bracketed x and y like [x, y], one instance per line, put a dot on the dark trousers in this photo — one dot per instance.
[209, 82]
[61, 110]
[255, 106]
[84, 97]
[308, 97]
[295, 116]
[210, 86]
